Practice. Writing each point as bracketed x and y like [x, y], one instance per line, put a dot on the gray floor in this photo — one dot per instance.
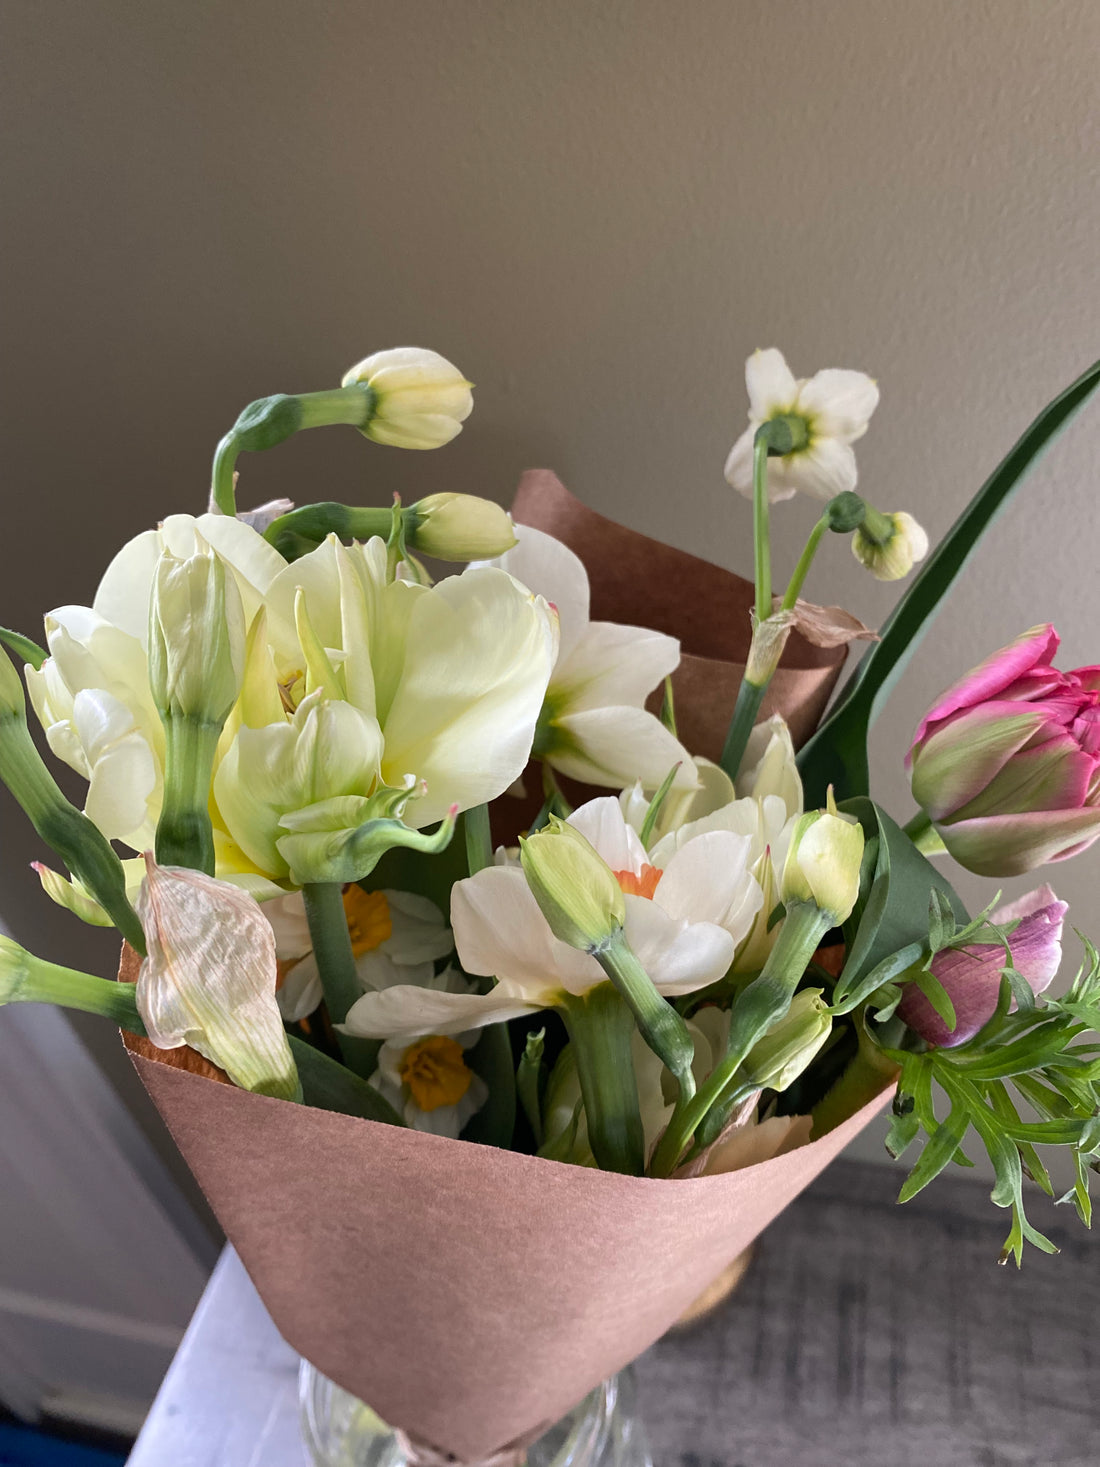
[864, 1335]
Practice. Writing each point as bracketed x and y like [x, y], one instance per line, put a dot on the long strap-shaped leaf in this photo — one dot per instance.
[837, 753]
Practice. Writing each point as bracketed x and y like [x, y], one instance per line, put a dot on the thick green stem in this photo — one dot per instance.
[185, 835]
[479, 840]
[866, 1076]
[27, 979]
[300, 530]
[805, 560]
[924, 835]
[662, 1028]
[749, 698]
[763, 1003]
[600, 1027]
[81, 845]
[332, 950]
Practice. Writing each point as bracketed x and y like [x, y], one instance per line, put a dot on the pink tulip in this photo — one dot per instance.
[972, 975]
[1007, 763]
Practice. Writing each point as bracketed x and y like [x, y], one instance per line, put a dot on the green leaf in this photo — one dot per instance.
[939, 1151]
[491, 1058]
[530, 1076]
[23, 647]
[837, 753]
[941, 920]
[937, 996]
[329, 1085]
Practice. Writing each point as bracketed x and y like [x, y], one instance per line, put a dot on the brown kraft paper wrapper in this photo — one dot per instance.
[470, 1295]
[641, 582]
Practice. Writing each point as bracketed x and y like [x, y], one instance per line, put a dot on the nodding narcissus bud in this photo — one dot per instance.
[576, 890]
[459, 527]
[888, 545]
[786, 1050]
[823, 861]
[418, 398]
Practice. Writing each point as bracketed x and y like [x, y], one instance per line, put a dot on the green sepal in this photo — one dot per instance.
[23, 647]
[531, 1080]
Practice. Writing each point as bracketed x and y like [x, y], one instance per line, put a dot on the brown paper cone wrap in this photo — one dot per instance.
[641, 582]
[471, 1296]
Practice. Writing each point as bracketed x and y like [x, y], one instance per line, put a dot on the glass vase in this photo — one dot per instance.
[602, 1431]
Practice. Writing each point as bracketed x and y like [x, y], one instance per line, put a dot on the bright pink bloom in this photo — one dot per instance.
[972, 975]
[1007, 762]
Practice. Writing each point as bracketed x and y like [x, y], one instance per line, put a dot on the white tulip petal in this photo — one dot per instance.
[772, 386]
[602, 824]
[680, 957]
[839, 403]
[413, 1012]
[500, 932]
[551, 570]
[609, 746]
[477, 664]
[612, 664]
[708, 880]
[123, 772]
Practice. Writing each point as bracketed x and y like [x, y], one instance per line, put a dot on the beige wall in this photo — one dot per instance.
[597, 209]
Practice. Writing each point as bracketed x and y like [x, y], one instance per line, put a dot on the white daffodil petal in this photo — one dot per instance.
[608, 746]
[771, 384]
[209, 978]
[419, 932]
[679, 956]
[477, 663]
[287, 916]
[825, 469]
[738, 470]
[613, 664]
[377, 970]
[500, 931]
[708, 880]
[839, 402]
[300, 991]
[551, 570]
[602, 824]
[405, 1011]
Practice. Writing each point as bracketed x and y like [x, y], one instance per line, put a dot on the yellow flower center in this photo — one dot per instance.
[435, 1071]
[643, 885]
[369, 920]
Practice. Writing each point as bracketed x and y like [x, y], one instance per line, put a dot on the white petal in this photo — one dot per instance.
[769, 766]
[612, 664]
[708, 880]
[611, 746]
[287, 915]
[738, 469]
[124, 773]
[477, 664]
[413, 1012]
[377, 970]
[825, 469]
[550, 569]
[772, 385]
[839, 402]
[300, 991]
[679, 956]
[602, 824]
[420, 933]
[500, 932]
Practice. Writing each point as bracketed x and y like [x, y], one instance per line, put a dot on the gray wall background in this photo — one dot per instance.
[597, 210]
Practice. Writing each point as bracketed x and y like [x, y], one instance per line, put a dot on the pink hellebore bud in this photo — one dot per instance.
[972, 975]
[1007, 763]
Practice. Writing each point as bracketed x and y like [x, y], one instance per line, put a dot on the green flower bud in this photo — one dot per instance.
[459, 527]
[786, 1050]
[575, 888]
[823, 861]
[196, 637]
[889, 544]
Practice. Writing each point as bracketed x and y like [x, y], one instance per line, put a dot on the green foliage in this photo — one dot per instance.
[329, 1085]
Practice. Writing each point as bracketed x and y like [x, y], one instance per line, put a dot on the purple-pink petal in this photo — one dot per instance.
[971, 976]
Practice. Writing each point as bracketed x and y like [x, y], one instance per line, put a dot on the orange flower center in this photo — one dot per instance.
[435, 1071]
[369, 920]
[643, 885]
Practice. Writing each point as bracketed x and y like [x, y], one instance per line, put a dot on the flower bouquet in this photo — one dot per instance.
[497, 965]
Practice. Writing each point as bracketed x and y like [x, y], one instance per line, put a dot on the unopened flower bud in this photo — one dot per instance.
[823, 862]
[889, 544]
[196, 637]
[786, 1050]
[459, 527]
[419, 399]
[575, 888]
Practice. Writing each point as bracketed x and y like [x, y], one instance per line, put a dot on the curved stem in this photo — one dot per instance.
[805, 560]
[924, 835]
[223, 487]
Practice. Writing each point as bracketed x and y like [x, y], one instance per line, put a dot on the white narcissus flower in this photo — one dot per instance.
[421, 399]
[209, 978]
[594, 726]
[836, 407]
[395, 937]
[425, 1077]
[683, 923]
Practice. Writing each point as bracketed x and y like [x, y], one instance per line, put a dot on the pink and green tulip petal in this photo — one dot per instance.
[1012, 845]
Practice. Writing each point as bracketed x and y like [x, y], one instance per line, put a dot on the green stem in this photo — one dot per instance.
[761, 533]
[479, 840]
[749, 698]
[293, 533]
[328, 930]
[867, 1075]
[924, 835]
[763, 1003]
[661, 1026]
[36, 981]
[83, 847]
[600, 1027]
[185, 835]
[805, 560]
